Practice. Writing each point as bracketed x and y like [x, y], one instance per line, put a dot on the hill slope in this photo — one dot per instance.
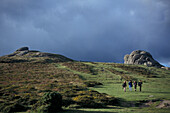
[82, 85]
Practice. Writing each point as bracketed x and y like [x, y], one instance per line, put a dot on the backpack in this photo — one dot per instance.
[123, 85]
[130, 84]
[139, 83]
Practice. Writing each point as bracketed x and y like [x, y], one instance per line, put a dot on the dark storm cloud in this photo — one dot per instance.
[92, 30]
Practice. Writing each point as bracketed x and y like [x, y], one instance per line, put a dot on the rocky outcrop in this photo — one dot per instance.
[19, 52]
[25, 55]
[167, 68]
[23, 49]
[140, 57]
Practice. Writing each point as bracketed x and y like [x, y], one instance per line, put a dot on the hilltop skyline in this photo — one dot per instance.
[87, 30]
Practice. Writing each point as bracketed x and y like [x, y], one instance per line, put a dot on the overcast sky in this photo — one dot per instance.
[87, 30]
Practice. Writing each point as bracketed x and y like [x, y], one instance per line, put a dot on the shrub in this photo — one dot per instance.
[94, 99]
[67, 102]
[50, 102]
[87, 102]
[92, 83]
[32, 101]
[14, 108]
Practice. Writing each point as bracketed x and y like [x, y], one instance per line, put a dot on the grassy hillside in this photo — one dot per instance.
[83, 86]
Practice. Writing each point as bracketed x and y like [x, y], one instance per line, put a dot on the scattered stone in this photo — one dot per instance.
[140, 57]
[150, 95]
[21, 53]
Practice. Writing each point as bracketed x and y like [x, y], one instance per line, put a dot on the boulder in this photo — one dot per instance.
[23, 49]
[167, 68]
[140, 57]
[21, 53]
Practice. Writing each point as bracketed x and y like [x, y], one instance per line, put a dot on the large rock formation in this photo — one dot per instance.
[25, 55]
[142, 58]
[23, 49]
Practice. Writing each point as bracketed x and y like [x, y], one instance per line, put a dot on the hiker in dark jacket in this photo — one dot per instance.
[124, 86]
[135, 84]
[130, 85]
[140, 85]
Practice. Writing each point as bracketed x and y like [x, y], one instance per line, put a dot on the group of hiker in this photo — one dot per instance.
[124, 85]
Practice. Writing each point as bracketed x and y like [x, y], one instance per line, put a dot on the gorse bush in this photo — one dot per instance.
[94, 99]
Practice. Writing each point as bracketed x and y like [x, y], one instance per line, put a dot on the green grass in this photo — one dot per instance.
[152, 89]
[155, 87]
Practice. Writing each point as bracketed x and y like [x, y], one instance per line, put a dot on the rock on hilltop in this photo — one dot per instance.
[25, 55]
[142, 58]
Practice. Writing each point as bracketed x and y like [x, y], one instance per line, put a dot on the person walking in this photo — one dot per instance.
[135, 84]
[130, 85]
[140, 85]
[124, 86]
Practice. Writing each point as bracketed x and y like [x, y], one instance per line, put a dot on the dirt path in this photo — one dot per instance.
[164, 104]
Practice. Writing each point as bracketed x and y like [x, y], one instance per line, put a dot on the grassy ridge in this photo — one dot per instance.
[26, 82]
